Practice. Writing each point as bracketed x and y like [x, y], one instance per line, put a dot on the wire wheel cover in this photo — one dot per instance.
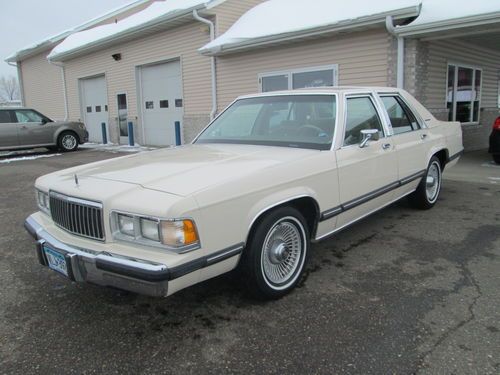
[282, 251]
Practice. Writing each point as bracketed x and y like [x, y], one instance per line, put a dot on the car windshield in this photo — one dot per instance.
[303, 121]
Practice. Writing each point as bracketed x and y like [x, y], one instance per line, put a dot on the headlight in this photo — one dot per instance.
[126, 225]
[177, 234]
[42, 199]
[149, 229]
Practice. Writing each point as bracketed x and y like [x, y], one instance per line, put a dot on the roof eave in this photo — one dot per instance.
[412, 11]
[116, 38]
[470, 21]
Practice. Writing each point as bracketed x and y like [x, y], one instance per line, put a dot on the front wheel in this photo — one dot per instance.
[274, 259]
[429, 188]
[496, 158]
[67, 141]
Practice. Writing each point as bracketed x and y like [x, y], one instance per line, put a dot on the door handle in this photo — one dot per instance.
[423, 136]
[386, 146]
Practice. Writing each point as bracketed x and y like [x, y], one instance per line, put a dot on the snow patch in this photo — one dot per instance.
[112, 147]
[23, 158]
[275, 17]
[155, 11]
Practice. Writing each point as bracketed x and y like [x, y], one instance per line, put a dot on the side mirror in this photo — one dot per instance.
[43, 121]
[368, 134]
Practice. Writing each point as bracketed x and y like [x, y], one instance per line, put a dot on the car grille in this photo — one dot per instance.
[77, 216]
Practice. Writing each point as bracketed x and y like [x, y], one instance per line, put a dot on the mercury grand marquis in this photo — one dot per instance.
[271, 174]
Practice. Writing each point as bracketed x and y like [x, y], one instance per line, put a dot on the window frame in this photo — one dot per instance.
[290, 72]
[456, 66]
[380, 113]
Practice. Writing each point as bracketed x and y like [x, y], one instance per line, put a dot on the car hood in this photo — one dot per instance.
[188, 169]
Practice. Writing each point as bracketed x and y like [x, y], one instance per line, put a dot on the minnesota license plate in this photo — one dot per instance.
[56, 261]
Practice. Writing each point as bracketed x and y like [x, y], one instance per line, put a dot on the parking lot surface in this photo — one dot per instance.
[403, 291]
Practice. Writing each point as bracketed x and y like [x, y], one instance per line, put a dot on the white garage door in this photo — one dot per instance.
[95, 106]
[161, 101]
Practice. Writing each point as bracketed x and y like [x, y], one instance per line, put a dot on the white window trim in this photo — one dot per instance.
[290, 72]
[455, 85]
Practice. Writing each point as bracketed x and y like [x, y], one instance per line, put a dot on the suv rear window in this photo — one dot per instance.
[4, 117]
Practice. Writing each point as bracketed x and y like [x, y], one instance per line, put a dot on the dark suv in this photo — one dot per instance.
[22, 128]
[495, 141]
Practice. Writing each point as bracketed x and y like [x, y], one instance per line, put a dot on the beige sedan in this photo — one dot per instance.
[271, 174]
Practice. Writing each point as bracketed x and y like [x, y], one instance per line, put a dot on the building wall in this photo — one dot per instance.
[230, 11]
[178, 43]
[42, 86]
[361, 58]
[426, 71]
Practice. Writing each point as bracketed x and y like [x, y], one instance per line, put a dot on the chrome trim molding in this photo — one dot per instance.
[332, 212]
[127, 273]
[455, 156]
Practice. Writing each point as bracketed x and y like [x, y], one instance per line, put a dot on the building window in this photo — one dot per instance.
[164, 103]
[299, 78]
[463, 94]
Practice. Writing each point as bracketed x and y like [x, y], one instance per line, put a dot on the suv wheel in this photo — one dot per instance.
[67, 141]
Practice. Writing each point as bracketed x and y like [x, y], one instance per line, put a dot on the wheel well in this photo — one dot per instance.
[442, 155]
[307, 206]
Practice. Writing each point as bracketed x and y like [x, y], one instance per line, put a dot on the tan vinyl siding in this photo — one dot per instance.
[361, 59]
[42, 86]
[181, 42]
[442, 52]
[230, 11]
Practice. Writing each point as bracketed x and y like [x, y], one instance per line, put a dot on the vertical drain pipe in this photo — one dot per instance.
[212, 62]
[400, 74]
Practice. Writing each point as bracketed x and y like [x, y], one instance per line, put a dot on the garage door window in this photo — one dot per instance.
[299, 78]
[463, 93]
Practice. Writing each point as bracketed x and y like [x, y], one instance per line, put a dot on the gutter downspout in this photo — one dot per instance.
[212, 62]
[65, 95]
[389, 25]
[20, 79]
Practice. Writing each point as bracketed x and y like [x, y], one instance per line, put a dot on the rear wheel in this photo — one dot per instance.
[429, 188]
[276, 254]
[496, 158]
[67, 141]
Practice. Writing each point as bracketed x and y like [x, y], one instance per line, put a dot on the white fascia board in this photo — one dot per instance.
[52, 41]
[452, 24]
[412, 11]
[119, 37]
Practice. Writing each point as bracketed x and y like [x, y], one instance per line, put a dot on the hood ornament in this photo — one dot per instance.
[76, 179]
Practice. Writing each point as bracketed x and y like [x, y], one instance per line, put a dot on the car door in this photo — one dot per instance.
[409, 139]
[8, 130]
[33, 128]
[367, 175]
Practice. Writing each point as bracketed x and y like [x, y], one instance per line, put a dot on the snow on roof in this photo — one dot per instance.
[275, 17]
[33, 47]
[155, 12]
[448, 11]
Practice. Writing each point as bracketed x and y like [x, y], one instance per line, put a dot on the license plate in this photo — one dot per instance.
[56, 261]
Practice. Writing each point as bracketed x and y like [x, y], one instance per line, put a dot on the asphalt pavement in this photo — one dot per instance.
[401, 292]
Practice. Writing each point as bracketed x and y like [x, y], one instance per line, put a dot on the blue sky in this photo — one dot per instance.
[23, 22]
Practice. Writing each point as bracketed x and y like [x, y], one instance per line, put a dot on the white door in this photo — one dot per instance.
[368, 176]
[161, 101]
[95, 106]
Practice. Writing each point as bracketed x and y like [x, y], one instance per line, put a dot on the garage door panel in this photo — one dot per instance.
[161, 101]
[95, 106]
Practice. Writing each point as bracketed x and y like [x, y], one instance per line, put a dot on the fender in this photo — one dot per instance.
[62, 128]
[276, 199]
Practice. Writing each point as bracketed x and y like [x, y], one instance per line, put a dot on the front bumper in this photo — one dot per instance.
[126, 273]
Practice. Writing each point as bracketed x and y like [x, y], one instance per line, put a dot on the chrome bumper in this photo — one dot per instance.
[135, 275]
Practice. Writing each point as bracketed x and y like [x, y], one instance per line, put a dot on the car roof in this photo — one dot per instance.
[324, 90]
[10, 108]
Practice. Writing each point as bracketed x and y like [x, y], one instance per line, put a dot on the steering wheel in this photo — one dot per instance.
[309, 130]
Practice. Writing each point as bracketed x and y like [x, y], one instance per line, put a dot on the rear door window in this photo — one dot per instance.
[402, 120]
[27, 116]
[5, 117]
